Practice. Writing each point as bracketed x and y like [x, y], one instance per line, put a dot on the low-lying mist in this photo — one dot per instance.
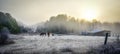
[66, 25]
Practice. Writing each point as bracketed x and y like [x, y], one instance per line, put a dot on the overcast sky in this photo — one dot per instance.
[34, 11]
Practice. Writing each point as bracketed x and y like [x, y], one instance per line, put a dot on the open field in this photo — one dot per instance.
[65, 44]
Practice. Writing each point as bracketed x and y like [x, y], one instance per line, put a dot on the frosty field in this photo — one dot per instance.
[34, 44]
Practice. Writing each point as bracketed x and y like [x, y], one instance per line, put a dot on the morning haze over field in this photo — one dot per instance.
[59, 26]
[35, 11]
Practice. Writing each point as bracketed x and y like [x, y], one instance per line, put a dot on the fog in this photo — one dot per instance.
[68, 24]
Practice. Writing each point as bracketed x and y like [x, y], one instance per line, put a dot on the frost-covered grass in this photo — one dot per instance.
[65, 44]
[110, 48]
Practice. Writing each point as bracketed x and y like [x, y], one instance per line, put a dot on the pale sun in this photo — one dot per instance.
[89, 14]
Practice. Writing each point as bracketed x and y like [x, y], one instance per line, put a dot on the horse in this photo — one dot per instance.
[41, 34]
[46, 34]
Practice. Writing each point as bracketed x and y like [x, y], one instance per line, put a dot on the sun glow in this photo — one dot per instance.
[89, 14]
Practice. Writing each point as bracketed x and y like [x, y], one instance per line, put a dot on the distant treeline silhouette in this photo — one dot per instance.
[64, 24]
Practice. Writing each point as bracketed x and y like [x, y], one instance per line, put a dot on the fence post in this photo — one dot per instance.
[106, 37]
[118, 38]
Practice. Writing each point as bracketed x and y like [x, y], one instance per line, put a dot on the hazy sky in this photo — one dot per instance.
[34, 11]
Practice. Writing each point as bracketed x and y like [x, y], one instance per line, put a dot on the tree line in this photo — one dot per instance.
[6, 20]
[64, 24]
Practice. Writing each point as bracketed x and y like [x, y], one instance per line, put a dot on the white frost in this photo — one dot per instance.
[38, 43]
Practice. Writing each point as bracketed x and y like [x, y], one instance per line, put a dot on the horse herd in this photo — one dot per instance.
[46, 34]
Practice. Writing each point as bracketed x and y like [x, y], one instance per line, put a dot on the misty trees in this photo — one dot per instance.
[60, 24]
[56, 24]
[7, 25]
[6, 20]
[67, 24]
[64, 24]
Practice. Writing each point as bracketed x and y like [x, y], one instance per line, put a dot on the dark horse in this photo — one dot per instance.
[42, 34]
[46, 34]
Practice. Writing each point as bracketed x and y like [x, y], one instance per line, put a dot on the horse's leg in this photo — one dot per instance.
[48, 34]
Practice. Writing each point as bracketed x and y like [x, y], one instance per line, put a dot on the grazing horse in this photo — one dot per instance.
[46, 34]
[42, 34]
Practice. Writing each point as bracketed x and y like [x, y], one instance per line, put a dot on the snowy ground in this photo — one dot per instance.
[52, 45]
